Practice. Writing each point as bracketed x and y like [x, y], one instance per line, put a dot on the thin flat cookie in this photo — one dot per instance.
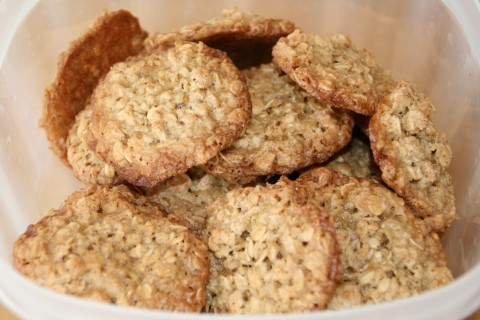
[413, 155]
[111, 38]
[158, 115]
[247, 38]
[110, 245]
[356, 160]
[386, 252]
[85, 163]
[289, 129]
[269, 254]
[188, 197]
[330, 68]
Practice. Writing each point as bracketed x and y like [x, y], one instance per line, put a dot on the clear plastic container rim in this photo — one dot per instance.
[466, 14]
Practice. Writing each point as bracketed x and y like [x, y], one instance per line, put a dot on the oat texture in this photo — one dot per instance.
[386, 252]
[289, 129]
[356, 160]
[269, 255]
[111, 38]
[158, 115]
[188, 197]
[86, 165]
[330, 68]
[113, 246]
[246, 37]
[413, 155]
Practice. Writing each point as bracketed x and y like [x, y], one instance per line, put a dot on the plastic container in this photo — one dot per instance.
[435, 44]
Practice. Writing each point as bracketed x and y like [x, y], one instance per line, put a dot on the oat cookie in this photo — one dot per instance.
[246, 37]
[110, 245]
[289, 129]
[158, 115]
[356, 160]
[413, 155]
[111, 38]
[86, 165]
[269, 254]
[188, 197]
[330, 68]
[386, 251]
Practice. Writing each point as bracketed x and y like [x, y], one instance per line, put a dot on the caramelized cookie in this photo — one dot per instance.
[111, 245]
[413, 155]
[386, 252]
[356, 160]
[269, 254]
[111, 38]
[86, 165]
[289, 129]
[330, 68]
[247, 38]
[158, 115]
[188, 197]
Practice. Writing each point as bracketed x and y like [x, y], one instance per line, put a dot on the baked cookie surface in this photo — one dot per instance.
[113, 246]
[86, 165]
[268, 254]
[413, 156]
[330, 68]
[386, 252]
[246, 37]
[158, 115]
[356, 160]
[111, 38]
[289, 129]
[188, 197]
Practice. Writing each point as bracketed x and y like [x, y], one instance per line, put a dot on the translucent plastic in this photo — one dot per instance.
[434, 44]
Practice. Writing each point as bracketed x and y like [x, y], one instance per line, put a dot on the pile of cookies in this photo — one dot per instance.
[239, 165]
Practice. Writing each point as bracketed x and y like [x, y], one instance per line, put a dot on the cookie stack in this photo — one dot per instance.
[224, 172]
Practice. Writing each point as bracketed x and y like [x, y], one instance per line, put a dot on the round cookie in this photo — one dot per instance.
[111, 38]
[188, 197]
[289, 129]
[246, 37]
[86, 165]
[269, 254]
[158, 115]
[356, 160]
[330, 68]
[413, 156]
[113, 246]
[386, 252]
